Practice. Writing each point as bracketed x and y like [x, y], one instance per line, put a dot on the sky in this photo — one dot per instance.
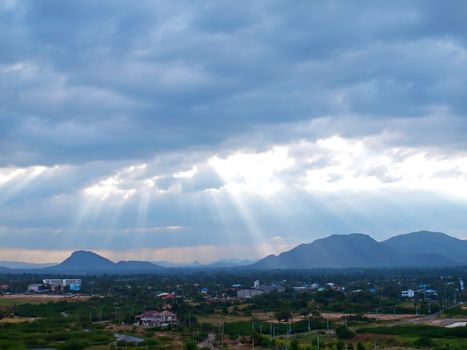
[183, 130]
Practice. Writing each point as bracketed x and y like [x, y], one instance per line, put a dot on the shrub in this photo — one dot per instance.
[283, 315]
[424, 341]
[343, 332]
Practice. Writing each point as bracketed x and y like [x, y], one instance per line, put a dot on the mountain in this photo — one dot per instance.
[336, 251]
[348, 251]
[85, 262]
[427, 242]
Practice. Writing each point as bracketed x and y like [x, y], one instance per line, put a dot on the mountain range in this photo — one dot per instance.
[356, 250]
[223, 263]
[417, 249]
[83, 262]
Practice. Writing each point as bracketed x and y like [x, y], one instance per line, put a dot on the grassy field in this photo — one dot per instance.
[17, 319]
[11, 300]
[7, 302]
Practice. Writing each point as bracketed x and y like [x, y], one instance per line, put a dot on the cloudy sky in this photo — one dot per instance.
[181, 130]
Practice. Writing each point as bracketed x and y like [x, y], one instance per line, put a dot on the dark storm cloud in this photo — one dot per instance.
[108, 80]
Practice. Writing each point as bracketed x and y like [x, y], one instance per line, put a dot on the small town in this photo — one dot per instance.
[280, 310]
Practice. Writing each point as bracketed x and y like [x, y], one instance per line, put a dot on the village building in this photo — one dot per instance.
[156, 319]
[409, 293]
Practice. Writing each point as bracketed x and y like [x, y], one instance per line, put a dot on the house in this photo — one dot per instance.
[166, 296]
[314, 285]
[409, 293]
[156, 319]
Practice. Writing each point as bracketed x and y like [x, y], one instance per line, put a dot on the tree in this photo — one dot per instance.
[283, 315]
[190, 346]
[343, 332]
[294, 345]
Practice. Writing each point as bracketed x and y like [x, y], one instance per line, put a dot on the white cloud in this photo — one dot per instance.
[253, 172]
[188, 174]
[355, 165]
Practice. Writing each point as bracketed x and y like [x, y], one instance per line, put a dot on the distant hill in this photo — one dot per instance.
[223, 263]
[168, 264]
[86, 262]
[137, 266]
[5, 270]
[426, 242]
[348, 251]
[24, 265]
[356, 250]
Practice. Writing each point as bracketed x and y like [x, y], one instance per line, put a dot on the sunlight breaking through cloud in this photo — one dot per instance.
[253, 172]
[349, 165]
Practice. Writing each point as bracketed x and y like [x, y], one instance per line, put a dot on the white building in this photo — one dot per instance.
[156, 319]
[61, 282]
[249, 293]
[409, 293]
[53, 282]
[256, 284]
[71, 281]
[35, 288]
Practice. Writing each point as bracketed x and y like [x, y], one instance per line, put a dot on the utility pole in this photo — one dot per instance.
[253, 334]
[309, 326]
[445, 297]
[222, 337]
